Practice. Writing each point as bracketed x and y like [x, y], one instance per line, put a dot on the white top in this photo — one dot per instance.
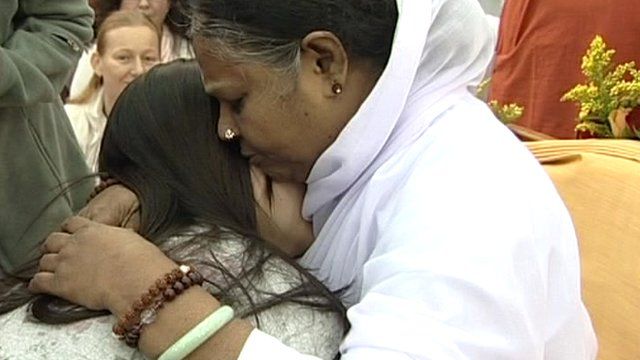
[304, 328]
[172, 47]
[450, 238]
[88, 121]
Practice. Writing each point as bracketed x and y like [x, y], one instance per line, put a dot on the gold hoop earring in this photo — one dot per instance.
[229, 135]
[336, 88]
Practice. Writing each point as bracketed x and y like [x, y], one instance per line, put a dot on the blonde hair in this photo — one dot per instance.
[115, 20]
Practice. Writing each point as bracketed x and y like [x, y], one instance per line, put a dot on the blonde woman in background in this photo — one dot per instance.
[164, 15]
[128, 44]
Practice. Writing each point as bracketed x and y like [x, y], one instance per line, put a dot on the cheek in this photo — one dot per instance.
[270, 125]
[252, 118]
[120, 72]
[160, 11]
[114, 74]
[263, 124]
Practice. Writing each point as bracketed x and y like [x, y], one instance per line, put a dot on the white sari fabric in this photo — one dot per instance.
[449, 238]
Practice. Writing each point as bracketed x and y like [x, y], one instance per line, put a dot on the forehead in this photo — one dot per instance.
[219, 75]
[223, 82]
[131, 37]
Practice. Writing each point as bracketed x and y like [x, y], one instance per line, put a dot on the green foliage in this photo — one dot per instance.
[507, 113]
[482, 92]
[594, 128]
[608, 89]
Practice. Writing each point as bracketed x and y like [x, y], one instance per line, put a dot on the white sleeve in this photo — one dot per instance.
[80, 125]
[83, 73]
[492, 278]
[260, 345]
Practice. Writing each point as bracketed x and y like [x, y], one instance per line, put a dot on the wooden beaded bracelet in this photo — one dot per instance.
[144, 310]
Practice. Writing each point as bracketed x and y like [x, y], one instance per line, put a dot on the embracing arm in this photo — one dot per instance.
[37, 58]
[105, 267]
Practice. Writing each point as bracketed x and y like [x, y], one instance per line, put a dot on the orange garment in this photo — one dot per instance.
[540, 48]
[598, 180]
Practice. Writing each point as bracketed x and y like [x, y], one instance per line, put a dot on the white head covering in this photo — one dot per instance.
[441, 48]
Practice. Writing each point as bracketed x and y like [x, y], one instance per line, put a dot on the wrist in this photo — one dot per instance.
[178, 317]
[143, 277]
[144, 310]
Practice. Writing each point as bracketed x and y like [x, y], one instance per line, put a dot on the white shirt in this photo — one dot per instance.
[88, 121]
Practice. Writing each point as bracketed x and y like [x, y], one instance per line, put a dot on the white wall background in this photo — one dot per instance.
[492, 7]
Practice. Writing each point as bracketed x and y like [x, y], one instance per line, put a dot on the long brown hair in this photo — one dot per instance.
[184, 176]
[161, 142]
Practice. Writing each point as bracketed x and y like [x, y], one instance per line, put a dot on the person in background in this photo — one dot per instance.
[540, 48]
[127, 45]
[163, 13]
[40, 41]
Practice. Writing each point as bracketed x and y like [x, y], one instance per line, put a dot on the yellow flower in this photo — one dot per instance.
[608, 95]
[507, 113]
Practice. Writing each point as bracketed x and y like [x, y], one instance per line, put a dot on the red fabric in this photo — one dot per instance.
[540, 48]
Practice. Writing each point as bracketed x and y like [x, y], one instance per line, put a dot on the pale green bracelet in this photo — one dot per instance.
[199, 334]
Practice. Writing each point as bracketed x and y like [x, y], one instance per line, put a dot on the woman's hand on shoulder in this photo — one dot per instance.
[116, 205]
[98, 266]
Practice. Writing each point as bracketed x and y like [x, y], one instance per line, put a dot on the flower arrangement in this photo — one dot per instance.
[506, 113]
[609, 101]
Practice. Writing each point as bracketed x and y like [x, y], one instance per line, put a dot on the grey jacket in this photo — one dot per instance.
[40, 42]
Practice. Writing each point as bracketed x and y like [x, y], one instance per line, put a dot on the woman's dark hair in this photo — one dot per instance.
[161, 142]
[270, 32]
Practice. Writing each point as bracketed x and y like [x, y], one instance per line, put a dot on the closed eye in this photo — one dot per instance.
[237, 105]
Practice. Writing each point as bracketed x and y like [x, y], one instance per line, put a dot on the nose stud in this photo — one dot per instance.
[229, 135]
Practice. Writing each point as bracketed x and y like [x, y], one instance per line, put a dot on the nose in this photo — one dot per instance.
[226, 122]
[137, 67]
[143, 4]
